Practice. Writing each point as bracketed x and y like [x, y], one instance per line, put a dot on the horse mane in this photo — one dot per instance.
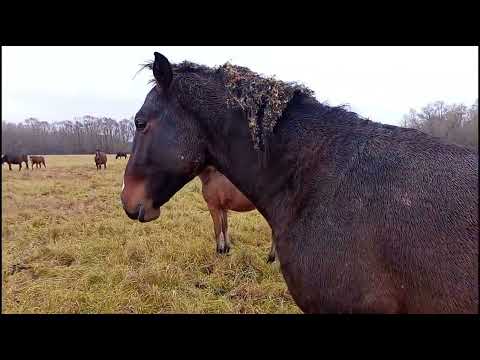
[262, 99]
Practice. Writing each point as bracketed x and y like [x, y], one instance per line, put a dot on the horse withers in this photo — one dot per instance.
[15, 159]
[37, 161]
[221, 195]
[100, 159]
[366, 217]
[121, 154]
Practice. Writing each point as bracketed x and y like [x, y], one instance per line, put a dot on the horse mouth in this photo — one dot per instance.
[144, 214]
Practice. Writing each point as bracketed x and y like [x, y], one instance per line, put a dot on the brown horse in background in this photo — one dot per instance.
[100, 159]
[121, 154]
[15, 159]
[221, 195]
[37, 161]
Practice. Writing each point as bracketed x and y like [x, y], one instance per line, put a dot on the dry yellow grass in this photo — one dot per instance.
[68, 247]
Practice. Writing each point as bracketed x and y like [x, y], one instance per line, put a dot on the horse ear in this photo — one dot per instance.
[162, 71]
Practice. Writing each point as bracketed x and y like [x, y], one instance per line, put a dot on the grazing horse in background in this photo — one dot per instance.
[121, 154]
[15, 159]
[366, 217]
[100, 159]
[37, 161]
[221, 195]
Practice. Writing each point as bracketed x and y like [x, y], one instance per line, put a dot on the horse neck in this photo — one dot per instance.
[262, 181]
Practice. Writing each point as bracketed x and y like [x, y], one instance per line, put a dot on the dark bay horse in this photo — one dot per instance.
[121, 154]
[15, 159]
[100, 159]
[37, 161]
[366, 217]
[221, 195]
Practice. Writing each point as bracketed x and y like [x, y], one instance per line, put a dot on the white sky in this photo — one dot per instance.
[382, 83]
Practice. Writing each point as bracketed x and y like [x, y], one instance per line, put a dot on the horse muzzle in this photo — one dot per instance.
[136, 204]
[143, 213]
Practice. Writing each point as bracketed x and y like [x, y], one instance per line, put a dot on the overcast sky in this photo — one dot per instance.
[382, 83]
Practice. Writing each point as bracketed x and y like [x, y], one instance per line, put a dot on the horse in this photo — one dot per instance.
[15, 159]
[100, 159]
[366, 217]
[121, 154]
[221, 195]
[37, 160]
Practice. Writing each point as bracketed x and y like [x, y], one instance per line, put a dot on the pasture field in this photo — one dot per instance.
[68, 247]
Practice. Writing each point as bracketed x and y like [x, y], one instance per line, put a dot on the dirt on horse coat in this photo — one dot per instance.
[221, 195]
[15, 159]
[100, 159]
[37, 161]
[366, 217]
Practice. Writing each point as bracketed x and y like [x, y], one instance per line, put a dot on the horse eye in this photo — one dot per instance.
[140, 125]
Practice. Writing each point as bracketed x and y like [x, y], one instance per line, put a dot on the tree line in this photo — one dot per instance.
[457, 123]
[80, 136]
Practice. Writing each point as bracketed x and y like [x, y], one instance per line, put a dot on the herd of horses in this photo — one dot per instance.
[18, 159]
[38, 161]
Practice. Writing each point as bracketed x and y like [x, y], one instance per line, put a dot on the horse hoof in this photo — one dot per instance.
[223, 250]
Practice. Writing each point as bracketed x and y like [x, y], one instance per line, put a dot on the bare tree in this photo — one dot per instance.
[455, 123]
[80, 136]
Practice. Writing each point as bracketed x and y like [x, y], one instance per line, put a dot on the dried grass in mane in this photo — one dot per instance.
[263, 99]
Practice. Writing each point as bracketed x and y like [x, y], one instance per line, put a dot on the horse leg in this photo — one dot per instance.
[217, 226]
[45, 166]
[10, 166]
[228, 244]
[26, 163]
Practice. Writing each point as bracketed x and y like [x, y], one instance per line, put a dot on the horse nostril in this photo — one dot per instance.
[134, 215]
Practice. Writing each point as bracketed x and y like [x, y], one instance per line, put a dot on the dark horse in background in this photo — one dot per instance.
[100, 159]
[366, 217]
[121, 154]
[37, 161]
[15, 159]
[221, 196]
